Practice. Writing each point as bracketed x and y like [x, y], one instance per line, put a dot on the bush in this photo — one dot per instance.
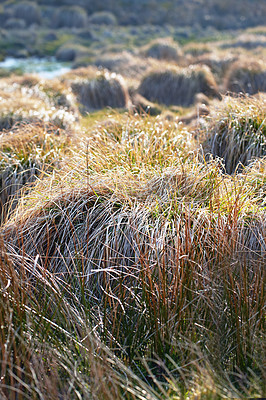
[106, 90]
[175, 86]
[28, 11]
[247, 77]
[237, 131]
[70, 17]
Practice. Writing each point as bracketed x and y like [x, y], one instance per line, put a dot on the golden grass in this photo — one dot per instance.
[132, 267]
[237, 131]
[246, 77]
[106, 90]
[175, 86]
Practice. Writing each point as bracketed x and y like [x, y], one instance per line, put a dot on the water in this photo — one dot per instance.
[47, 68]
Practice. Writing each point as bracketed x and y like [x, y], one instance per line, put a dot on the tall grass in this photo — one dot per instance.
[135, 272]
[237, 131]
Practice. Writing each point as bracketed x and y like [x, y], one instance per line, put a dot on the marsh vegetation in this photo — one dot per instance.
[133, 203]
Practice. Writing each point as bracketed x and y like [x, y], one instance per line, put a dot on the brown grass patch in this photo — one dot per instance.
[175, 86]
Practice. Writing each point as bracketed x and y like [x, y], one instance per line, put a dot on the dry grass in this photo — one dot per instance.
[237, 131]
[27, 152]
[132, 267]
[246, 77]
[175, 86]
[163, 49]
[106, 90]
[30, 100]
[181, 256]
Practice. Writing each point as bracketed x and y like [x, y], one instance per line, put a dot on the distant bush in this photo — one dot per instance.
[163, 49]
[247, 77]
[28, 11]
[175, 86]
[103, 18]
[70, 17]
[237, 131]
[106, 90]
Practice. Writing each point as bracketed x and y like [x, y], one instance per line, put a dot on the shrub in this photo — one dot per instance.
[237, 131]
[69, 17]
[103, 18]
[247, 77]
[163, 49]
[106, 90]
[28, 11]
[175, 86]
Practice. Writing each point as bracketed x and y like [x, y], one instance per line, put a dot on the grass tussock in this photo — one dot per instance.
[181, 258]
[132, 249]
[237, 131]
[70, 17]
[28, 11]
[163, 49]
[105, 90]
[27, 152]
[247, 77]
[30, 100]
[176, 86]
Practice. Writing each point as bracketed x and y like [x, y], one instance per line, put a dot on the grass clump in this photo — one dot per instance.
[105, 90]
[175, 86]
[103, 18]
[69, 17]
[247, 77]
[237, 131]
[179, 257]
[163, 49]
[27, 11]
[29, 100]
[27, 152]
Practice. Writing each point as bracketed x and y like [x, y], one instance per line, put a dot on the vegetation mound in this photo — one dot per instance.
[247, 77]
[175, 86]
[28, 99]
[163, 49]
[70, 17]
[28, 11]
[27, 152]
[105, 90]
[237, 131]
[103, 18]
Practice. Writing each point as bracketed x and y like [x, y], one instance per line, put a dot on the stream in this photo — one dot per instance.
[47, 68]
